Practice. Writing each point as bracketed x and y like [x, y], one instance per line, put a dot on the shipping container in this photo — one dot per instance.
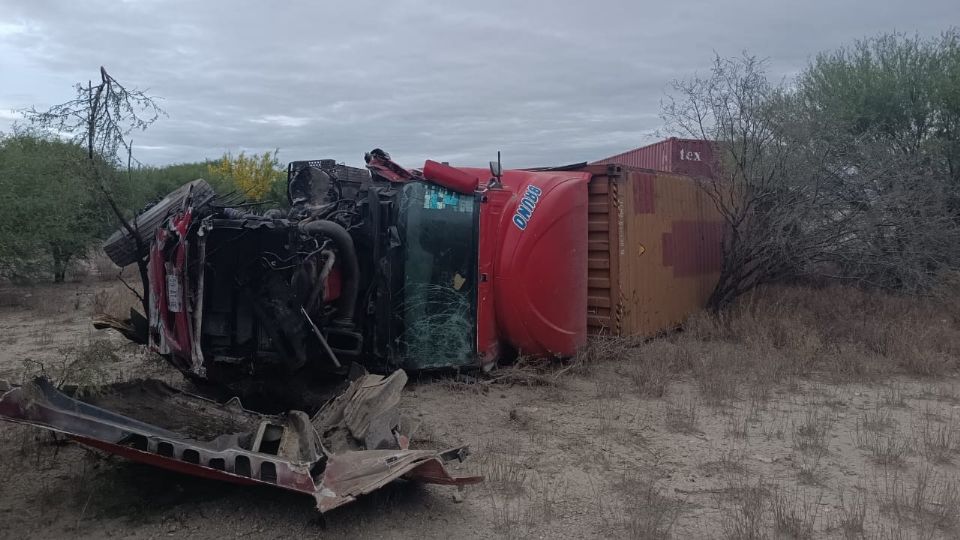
[685, 156]
[654, 249]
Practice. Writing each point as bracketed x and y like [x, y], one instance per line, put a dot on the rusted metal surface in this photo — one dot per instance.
[228, 443]
[685, 156]
[654, 249]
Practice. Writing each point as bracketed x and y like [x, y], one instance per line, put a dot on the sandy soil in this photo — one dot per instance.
[585, 457]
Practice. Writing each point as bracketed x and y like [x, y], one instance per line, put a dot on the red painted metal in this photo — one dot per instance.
[492, 208]
[539, 262]
[346, 475]
[168, 260]
[693, 248]
[685, 156]
[450, 177]
[644, 197]
[171, 464]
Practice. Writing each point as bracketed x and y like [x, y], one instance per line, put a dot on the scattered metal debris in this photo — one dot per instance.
[352, 446]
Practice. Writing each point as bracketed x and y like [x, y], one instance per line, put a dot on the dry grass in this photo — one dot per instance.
[548, 493]
[500, 464]
[115, 301]
[938, 441]
[738, 425]
[634, 439]
[886, 448]
[681, 414]
[85, 365]
[851, 334]
[853, 512]
[810, 434]
[893, 396]
[877, 420]
[49, 300]
[650, 372]
[746, 517]
[102, 267]
[925, 500]
[794, 512]
[645, 513]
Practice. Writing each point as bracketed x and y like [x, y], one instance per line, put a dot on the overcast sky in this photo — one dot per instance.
[545, 82]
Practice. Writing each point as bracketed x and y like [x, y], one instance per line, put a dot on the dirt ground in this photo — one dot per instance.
[590, 450]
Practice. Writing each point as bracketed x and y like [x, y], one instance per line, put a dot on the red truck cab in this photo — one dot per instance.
[532, 293]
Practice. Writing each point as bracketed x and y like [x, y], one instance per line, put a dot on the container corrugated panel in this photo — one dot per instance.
[602, 239]
[655, 250]
[692, 157]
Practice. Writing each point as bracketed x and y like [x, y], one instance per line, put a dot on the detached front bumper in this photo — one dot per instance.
[351, 447]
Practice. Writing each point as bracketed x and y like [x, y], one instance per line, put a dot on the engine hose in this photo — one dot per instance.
[350, 268]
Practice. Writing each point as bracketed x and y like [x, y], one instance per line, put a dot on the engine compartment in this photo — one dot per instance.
[360, 269]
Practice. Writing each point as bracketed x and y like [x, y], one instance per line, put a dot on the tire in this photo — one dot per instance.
[122, 248]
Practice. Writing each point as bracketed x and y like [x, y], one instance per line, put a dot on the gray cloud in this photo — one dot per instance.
[545, 82]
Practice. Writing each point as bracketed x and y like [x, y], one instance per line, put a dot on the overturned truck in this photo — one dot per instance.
[385, 267]
[381, 270]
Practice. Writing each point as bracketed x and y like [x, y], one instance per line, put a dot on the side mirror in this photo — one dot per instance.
[495, 170]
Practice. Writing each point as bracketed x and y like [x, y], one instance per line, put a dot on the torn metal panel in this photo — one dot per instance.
[153, 423]
[369, 402]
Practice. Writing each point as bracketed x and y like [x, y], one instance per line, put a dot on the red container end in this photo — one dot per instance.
[693, 157]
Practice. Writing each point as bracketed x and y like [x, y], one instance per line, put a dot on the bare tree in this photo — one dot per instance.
[800, 195]
[101, 118]
[751, 184]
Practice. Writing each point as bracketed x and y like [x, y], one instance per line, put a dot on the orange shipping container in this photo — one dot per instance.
[655, 250]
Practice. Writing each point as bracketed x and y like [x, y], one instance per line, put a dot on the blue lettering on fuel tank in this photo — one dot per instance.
[527, 205]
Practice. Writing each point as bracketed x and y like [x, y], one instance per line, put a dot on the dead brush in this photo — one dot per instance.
[743, 512]
[811, 434]
[893, 396]
[852, 513]
[876, 420]
[599, 349]
[937, 440]
[886, 448]
[716, 376]
[738, 425]
[84, 366]
[645, 512]
[115, 301]
[650, 374]
[548, 494]
[527, 371]
[102, 266]
[774, 426]
[810, 467]
[510, 514]
[854, 333]
[681, 414]
[501, 466]
[947, 392]
[929, 501]
[916, 352]
[794, 513]
[56, 300]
